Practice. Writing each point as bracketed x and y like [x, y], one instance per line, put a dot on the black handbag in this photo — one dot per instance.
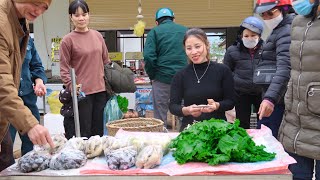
[121, 80]
[264, 74]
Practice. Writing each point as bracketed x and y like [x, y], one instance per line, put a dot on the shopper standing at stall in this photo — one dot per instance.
[274, 56]
[299, 132]
[32, 85]
[201, 83]
[164, 56]
[242, 58]
[84, 49]
[14, 34]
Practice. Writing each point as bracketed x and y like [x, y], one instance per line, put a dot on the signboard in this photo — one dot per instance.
[143, 99]
[134, 55]
[55, 46]
[115, 56]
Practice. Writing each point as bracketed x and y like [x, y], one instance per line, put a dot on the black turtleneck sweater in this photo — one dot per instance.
[216, 84]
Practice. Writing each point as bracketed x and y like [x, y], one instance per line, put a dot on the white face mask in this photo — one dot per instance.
[250, 43]
[273, 23]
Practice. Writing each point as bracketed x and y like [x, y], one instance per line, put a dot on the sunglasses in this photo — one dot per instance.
[268, 13]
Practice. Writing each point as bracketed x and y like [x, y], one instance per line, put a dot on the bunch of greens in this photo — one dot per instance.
[123, 103]
[215, 142]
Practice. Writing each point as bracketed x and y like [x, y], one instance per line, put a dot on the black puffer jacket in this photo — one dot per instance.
[276, 51]
[242, 65]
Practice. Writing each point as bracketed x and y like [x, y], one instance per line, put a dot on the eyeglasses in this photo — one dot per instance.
[268, 13]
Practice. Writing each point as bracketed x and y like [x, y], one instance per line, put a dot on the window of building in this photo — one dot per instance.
[128, 42]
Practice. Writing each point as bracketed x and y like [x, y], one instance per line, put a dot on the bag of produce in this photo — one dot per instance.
[78, 143]
[111, 143]
[122, 159]
[68, 159]
[149, 157]
[59, 141]
[94, 146]
[34, 161]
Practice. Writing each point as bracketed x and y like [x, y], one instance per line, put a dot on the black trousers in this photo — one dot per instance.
[69, 127]
[243, 108]
[90, 116]
[6, 154]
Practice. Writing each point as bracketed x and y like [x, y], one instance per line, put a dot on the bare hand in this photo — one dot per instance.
[39, 88]
[194, 110]
[40, 135]
[213, 106]
[265, 109]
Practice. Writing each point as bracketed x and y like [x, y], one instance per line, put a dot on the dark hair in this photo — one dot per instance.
[200, 34]
[74, 5]
[160, 20]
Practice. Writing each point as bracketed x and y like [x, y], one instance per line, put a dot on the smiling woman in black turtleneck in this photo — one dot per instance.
[201, 83]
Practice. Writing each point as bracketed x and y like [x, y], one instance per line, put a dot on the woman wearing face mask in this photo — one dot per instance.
[275, 53]
[242, 57]
[300, 129]
[201, 83]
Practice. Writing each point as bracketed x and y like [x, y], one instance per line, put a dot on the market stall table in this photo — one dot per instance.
[169, 169]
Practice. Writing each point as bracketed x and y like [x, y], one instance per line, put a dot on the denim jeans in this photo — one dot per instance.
[274, 120]
[303, 169]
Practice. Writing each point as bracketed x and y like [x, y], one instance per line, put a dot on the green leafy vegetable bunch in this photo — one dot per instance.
[123, 103]
[215, 142]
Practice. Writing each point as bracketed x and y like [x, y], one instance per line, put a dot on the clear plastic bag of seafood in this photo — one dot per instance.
[34, 161]
[149, 157]
[94, 146]
[78, 143]
[111, 143]
[68, 159]
[122, 159]
[59, 141]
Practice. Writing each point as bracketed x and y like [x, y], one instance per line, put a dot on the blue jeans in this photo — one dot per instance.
[29, 100]
[303, 169]
[274, 120]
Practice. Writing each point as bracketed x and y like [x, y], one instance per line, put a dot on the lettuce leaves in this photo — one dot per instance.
[217, 141]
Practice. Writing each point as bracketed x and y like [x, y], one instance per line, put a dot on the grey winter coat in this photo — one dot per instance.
[276, 52]
[300, 129]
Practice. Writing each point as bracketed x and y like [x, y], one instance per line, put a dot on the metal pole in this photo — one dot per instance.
[75, 102]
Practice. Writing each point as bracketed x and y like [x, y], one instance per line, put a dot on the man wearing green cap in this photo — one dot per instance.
[14, 34]
[164, 55]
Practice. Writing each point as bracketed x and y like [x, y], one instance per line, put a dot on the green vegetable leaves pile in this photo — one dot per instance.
[123, 103]
[215, 142]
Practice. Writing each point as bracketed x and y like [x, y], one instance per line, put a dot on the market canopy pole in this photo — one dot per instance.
[75, 102]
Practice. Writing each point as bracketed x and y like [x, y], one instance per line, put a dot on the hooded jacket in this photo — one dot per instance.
[12, 109]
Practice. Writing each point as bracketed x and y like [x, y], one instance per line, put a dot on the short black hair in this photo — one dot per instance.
[74, 5]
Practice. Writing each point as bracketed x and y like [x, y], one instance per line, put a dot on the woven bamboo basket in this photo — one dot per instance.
[135, 124]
